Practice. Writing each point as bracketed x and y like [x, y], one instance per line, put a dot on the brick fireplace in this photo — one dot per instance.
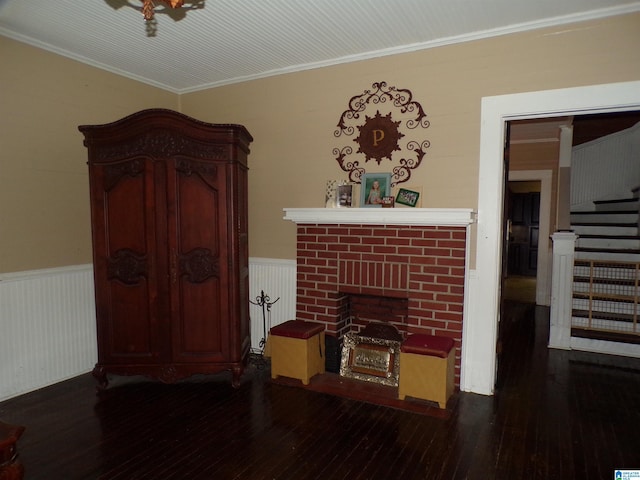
[406, 267]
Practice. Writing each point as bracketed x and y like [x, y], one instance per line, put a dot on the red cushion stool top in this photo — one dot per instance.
[431, 345]
[297, 329]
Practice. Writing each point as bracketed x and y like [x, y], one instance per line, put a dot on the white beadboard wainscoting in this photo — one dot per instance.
[48, 327]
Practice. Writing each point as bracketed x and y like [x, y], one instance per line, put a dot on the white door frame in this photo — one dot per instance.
[481, 315]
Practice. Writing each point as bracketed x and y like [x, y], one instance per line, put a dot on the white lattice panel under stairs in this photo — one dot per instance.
[606, 296]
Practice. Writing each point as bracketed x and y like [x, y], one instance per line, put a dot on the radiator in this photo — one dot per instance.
[48, 327]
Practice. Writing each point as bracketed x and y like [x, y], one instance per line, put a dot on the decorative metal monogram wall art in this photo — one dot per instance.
[382, 117]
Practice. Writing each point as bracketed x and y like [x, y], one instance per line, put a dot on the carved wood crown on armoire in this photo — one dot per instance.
[170, 250]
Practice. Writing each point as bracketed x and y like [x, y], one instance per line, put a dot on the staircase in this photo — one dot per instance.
[606, 289]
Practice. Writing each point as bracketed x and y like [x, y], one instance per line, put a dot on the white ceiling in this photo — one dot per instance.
[229, 41]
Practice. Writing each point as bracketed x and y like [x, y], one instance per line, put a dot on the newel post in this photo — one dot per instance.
[562, 289]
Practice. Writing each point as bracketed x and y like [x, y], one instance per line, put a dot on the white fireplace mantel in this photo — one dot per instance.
[450, 217]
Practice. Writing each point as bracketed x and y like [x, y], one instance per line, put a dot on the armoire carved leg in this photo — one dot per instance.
[237, 373]
[12, 471]
[100, 375]
[10, 466]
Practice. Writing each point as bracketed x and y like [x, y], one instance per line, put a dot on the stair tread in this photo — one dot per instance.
[605, 296]
[602, 335]
[621, 282]
[603, 224]
[605, 263]
[617, 200]
[614, 237]
[608, 250]
[603, 212]
[618, 317]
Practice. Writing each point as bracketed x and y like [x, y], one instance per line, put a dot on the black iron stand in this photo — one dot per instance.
[265, 303]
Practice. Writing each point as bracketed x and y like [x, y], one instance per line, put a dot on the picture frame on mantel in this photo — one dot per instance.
[373, 187]
[344, 195]
[409, 197]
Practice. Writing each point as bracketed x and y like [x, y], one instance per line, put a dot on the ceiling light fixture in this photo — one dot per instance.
[176, 9]
[148, 7]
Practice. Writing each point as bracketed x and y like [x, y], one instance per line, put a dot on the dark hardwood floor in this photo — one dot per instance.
[556, 415]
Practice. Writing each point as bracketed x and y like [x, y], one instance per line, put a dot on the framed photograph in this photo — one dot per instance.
[371, 359]
[408, 197]
[344, 197]
[387, 202]
[373, 187]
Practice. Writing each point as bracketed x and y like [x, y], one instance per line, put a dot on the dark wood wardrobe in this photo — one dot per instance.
[170, 250]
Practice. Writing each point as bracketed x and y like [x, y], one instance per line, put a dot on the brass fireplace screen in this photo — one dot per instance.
[371, 359]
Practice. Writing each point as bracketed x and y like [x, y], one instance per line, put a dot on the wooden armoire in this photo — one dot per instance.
[169, 224]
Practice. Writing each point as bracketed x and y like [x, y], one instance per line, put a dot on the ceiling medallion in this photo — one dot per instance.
[396, 116]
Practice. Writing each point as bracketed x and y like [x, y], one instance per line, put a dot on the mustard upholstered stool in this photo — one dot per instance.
[297, 350]
[427, 368]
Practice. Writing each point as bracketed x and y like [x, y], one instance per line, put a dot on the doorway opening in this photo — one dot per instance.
[480, 330]
[523, 237]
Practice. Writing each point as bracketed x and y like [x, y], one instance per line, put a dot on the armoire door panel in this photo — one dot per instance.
[197, 194]
[197, 191]
[128, 225]
[129, 322]
[132, 329]
[200, 336]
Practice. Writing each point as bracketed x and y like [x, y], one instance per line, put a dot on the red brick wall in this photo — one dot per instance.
[420, 265]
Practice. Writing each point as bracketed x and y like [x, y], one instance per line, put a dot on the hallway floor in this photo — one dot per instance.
[520, 289]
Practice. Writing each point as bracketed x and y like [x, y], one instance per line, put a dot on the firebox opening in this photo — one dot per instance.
[365, 309]
[358, 311]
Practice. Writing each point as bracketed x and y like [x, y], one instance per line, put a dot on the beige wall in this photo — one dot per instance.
[44, 215]
[44, 209]
[292, 117]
